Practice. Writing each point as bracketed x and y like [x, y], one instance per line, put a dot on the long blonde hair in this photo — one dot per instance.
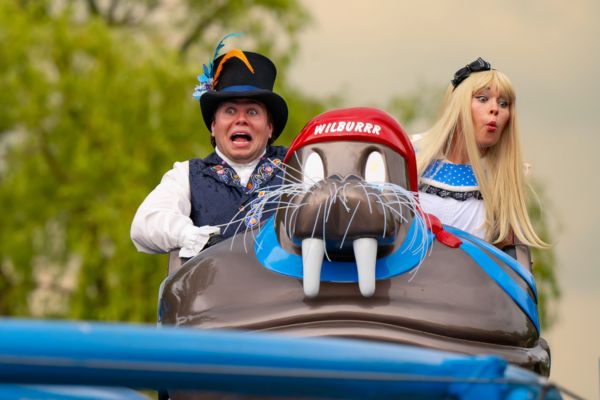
[500, 172]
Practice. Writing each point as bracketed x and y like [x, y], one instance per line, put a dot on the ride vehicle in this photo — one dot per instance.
[348, 253]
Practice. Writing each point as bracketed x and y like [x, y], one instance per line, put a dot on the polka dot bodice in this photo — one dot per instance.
[446, 175]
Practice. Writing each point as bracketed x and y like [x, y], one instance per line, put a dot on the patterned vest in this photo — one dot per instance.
[218, 197]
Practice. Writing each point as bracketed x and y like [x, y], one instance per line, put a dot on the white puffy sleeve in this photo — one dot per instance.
[160, 220]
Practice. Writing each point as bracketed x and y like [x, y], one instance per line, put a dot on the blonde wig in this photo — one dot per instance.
[500, 172]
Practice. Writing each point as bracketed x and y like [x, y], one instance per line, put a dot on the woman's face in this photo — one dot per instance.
[490, 113]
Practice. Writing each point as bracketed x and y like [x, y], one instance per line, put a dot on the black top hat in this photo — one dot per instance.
[236, 80]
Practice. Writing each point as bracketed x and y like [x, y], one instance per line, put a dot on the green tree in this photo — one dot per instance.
[91, 115]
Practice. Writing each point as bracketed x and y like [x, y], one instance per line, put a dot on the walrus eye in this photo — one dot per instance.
[375, 168]
[313, 169]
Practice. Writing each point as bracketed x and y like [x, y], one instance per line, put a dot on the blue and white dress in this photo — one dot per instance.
[451, 192]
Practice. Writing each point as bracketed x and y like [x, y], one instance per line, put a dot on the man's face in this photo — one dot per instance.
[241, 129]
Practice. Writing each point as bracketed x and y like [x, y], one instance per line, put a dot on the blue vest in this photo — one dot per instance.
[218, 197]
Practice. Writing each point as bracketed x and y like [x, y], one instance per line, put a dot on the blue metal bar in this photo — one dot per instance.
[69, 353]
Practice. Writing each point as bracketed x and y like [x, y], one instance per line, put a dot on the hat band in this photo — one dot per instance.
[239, 88]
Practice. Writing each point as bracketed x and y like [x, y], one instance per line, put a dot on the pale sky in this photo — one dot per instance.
[371, 50]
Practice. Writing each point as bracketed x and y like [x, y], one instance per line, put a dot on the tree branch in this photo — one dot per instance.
[200, 25]
[93, 7]
[112, 8]
[53, 163]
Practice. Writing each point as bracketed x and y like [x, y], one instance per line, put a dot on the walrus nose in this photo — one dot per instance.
[341, 210]
[326, 228]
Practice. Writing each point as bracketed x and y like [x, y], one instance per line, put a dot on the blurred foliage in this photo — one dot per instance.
[91, 116]
[544, 260]
[191, 25]
[95, 105]
[416, 109]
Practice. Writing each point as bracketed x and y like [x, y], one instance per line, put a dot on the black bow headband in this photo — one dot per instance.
[476, 66]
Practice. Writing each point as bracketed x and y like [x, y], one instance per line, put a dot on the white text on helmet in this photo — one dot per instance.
[347, 126]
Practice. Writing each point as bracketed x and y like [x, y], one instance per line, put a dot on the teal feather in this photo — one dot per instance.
[206, 79]
[221, 45]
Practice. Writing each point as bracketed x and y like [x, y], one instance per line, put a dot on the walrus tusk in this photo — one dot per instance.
[365, 253]
[312, 261]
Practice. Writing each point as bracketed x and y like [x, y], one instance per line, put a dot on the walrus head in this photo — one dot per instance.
[349, 193]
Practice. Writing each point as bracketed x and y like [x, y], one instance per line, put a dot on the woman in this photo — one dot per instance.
[470, 166]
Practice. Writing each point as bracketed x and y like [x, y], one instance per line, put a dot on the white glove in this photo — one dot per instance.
[193, 239]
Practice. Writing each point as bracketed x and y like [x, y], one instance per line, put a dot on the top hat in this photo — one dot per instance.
[251, 78]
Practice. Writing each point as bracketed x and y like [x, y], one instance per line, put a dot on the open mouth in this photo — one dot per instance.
[241, 138]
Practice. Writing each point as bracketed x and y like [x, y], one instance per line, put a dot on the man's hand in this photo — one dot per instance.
[193, 239]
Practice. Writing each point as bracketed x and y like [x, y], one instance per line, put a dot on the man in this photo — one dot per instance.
[200, 197]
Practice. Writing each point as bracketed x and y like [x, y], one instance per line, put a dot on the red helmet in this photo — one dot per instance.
[361, 124]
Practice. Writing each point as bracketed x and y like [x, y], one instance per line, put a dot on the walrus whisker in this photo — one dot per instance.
[349, 223]
[253, 212]
[379, 199]
[244, 241]
[287, 166]
[257, 213]
[335, 191]
[332, 199]
[329, 202]
[274, 190]
[257, 206]
[383, 209]
[280, 164]
[325, 218]
[403, 201]
[412, 206]
[344, 197]
[292, 216]
[398, 213]
[415, 248]
[423, 246]
[312, 235]
[290, 178]
[395, 193]
[420, 226]
[368, 200]
[287, 181]
[332, 192]
[285, 216]
[298, 162]
[288, 227]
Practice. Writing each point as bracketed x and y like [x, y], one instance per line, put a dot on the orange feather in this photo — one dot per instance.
[231, 54]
